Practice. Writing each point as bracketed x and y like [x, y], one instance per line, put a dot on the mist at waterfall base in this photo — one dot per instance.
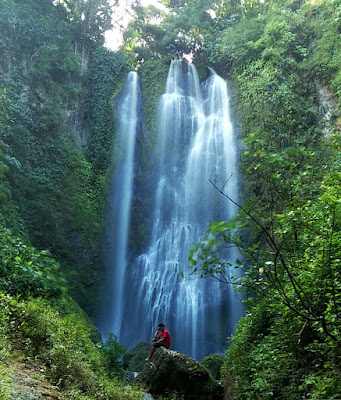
[195, 142]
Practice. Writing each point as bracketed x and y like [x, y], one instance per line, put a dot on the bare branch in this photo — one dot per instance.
[273, 245]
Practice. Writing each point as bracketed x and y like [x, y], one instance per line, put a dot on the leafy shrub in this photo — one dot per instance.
[112, 352]
[5, 384]
[260, 361]
[214, 363]
[27, 271]
[324, 383]
[63, 341]
[4, 353]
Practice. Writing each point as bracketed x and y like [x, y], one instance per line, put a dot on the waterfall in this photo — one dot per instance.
[195, 142]
[119, 206]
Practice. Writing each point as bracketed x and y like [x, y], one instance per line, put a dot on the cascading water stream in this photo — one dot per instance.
[195, 142]
[119, 205]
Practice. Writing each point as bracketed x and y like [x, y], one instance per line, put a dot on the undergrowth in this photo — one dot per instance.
[63, 342]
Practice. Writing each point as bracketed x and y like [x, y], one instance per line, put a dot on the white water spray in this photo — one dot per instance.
[195, 142]
[119, 206]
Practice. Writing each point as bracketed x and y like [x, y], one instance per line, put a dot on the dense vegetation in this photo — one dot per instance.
[57, 117]
[39, 321]
[57, 82]
[56, 134]
[285, 63]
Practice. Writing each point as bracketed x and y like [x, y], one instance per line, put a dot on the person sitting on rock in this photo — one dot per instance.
[159, 339]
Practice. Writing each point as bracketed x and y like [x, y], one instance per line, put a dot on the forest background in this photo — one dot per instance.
[58, 85]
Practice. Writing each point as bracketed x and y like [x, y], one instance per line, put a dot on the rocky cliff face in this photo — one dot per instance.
[327, 108]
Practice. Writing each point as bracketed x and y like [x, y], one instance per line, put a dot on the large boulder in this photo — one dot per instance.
[171, 372]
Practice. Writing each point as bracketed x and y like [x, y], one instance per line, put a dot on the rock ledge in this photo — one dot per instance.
[172, 372]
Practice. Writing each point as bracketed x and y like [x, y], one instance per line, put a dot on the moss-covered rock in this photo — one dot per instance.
[170, 372]
[213, 362]
[134, 359]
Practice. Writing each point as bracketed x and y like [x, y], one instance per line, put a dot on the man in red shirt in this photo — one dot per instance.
[159, 339]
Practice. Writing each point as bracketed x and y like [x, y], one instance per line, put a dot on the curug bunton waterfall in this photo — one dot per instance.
[119, 206]
[195, 142]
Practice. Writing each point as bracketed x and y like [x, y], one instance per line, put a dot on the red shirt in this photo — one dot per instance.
[165, 334]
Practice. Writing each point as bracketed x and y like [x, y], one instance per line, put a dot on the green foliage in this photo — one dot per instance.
[54, 330]
[154, 33]
[288, 229]
[90, 18]
[63, 342]
[287, 345]
[262, 360]
[190, 23]
[57, 88]
[293, 253]
[26, 271]
[325, 51]
[50, 190]
[5, 384]
[153, 87]
[235, 45]
[145, 37]
[291, 273]
[279, 175]
[214, 363]
[266, 359]
[112, 352]
[107, 72]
